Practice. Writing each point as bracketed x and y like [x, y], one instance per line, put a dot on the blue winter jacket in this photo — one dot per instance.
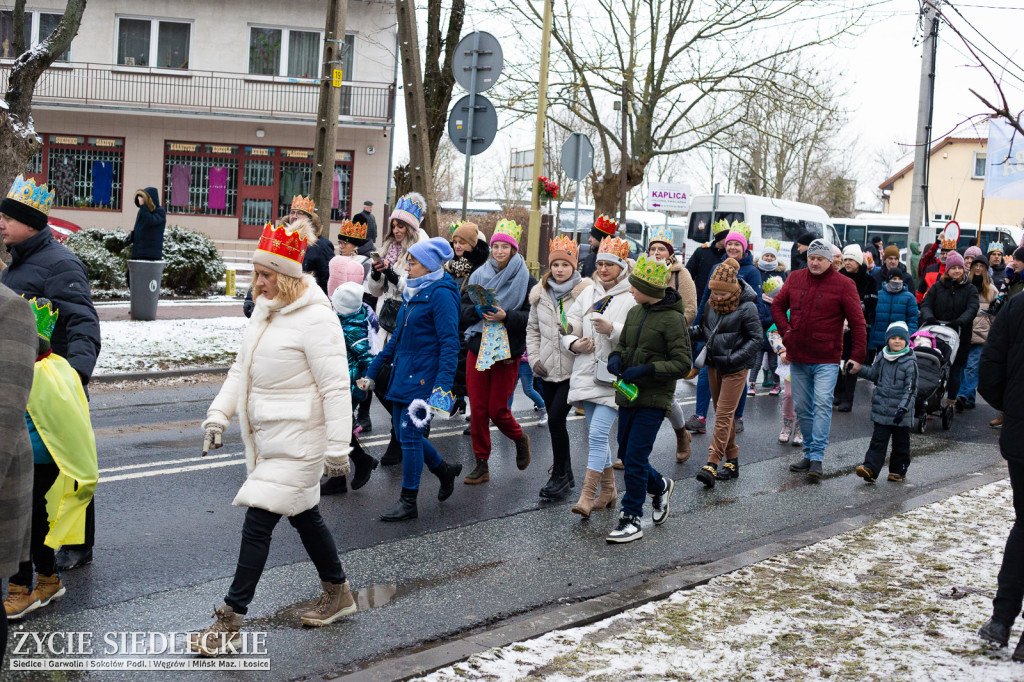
[749, 273]
[901, 307]
[423, 351]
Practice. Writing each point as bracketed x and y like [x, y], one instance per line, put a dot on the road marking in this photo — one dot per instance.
[175, 470]
[168, 462]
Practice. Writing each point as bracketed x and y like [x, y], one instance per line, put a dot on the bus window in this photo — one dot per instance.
[856, 235]
[786, 229]
[700, 223]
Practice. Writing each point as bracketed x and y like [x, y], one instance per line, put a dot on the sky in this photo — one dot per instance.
[880, 70]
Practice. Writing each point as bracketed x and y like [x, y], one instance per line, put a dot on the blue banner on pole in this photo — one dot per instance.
[1004, 162]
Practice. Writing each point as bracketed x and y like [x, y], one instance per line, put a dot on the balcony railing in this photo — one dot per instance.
[211, 92]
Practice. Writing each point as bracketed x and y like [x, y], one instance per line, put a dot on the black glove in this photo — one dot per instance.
[615, 364]
[633, 374]
[898, 417]
[391, 275]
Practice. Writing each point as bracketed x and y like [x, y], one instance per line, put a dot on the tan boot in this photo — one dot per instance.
[48, 588]
[608, 491]
[682, 445]
[335, 602]
[617, 464]
[220, 638]
[997, 422]
[587, 495]
[20, 601]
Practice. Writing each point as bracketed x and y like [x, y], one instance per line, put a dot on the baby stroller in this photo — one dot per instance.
[935, 347]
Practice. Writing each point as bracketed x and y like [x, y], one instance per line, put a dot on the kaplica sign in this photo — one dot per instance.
[668, 196]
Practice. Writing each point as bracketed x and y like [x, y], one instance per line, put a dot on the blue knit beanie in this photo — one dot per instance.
[898, 328]
[432, 253]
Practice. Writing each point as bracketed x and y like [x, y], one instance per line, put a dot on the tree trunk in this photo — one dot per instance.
[607, 192]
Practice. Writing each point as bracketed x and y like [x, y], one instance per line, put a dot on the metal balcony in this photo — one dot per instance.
[108, 86]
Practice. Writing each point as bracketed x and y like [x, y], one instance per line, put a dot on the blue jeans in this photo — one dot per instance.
[813, 388]
[704, 396]
[969, 380]
[526, 379]
[415, 448]
[599, 427]
[638, 427]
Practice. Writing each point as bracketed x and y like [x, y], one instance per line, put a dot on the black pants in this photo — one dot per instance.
[42, 557]
[1010, 595]
[899, 462]
[556, 400]
[252, 556]
[955, 374]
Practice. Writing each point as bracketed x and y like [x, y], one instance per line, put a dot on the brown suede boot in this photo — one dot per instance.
[682, 445]
[48, 588]
[335, 602]
[587, 495]
[20, 601]
[617, 464]
[220, 638]
[608, 491]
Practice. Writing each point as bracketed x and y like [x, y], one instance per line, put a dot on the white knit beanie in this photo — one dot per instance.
[854, 253]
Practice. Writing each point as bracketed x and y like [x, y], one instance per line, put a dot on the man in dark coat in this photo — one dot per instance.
[890, 263]
[147, 237]
[366, 217]
[707, 257]
[1001, 375]
[798, 256]
[875, 249]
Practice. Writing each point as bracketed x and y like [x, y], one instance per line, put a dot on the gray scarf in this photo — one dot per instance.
[509, 284]
[560, 291]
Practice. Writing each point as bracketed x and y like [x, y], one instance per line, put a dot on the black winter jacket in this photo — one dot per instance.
[895, 388]
[734, 343]
[515, 322]
[1001, 375]
[147, 237]
[701, 263]
[41, 266]
[318, 261]
[954, 303]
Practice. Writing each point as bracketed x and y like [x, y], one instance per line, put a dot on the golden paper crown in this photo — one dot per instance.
[948, 244]
[772, 244]
[950, 235]
[606, 225]
[509, 227]
[651, 271]
[743, 228]
[720, 226]
[27, 192]
[354, 230]
[614, 246]
[304, 204]
[281, 242]
[566, 244]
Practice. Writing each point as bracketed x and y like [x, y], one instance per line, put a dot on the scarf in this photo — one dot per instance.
[413, 286]
[894, 287]
[509, 286]
[726, 306]
[893, 356]
[460, 267]
[767, 265]
[393, 253]
[560, 291]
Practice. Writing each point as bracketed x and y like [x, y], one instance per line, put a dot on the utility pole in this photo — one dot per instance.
[623, 165]
[327, 112]
[922, 150]
[421, 166]
[533, 230]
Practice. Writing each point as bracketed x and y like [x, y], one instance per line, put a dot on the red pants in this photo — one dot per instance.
[488, 402]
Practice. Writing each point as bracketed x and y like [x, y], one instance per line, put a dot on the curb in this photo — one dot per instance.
[531, 625]
[161, 374]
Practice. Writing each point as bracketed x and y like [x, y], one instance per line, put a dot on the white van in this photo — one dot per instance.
[892, 228]
[768, 219]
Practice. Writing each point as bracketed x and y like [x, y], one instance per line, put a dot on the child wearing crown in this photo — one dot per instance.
[653, 353]
[65, 470]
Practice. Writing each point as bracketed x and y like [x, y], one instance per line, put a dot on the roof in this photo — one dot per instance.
[949, 139]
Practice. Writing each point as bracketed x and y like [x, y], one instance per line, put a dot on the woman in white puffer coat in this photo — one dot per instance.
[289, 386]
[549, 360]
[592, 337]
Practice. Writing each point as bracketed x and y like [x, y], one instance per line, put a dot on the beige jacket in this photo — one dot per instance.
[679, 279]
[544, 332]
[983, 321]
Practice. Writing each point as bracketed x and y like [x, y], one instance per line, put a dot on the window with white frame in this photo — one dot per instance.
[939, 217]
[978, 167]
[153, 42]
[291, 52]
[38, 27]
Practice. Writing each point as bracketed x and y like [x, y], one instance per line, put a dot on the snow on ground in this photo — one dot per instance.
[900, 599]
[131, 346]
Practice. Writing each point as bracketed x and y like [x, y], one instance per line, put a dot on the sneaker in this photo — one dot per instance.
[729, 470]
[580, 412]
[659, 502]
[897, 478]
[696, 424]
[775, 390]
[867, 474]
[787, 430]
[72, 557]
[751, 388]
[995, 633]
[220, 638]
[707, 474]
[478, 475]
[798, 437]
[627, 530]
[20, 601]
[739, 425]
[335, 602]
[523, 452]
[542, 420]
[815, 471]
[802, 465]
[48, 588]
[467, 431]
[997, 422]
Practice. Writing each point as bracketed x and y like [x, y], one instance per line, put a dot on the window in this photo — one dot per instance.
[292, 53]
[38, 26]
[979, 165]
[201, 178]
[788, 229]
[700, 223]
[942, 216]
[145, 42]
[83, 172]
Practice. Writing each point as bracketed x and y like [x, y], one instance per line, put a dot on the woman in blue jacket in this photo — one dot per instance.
[895, 303]
[422, 352]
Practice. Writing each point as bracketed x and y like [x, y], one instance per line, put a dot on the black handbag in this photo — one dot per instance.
[389, 314]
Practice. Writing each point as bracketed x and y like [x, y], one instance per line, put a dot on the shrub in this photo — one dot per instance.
[193, 264]
[101, 251]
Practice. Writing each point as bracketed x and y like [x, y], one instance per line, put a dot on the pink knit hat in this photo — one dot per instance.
[343, 269]
[736, 237]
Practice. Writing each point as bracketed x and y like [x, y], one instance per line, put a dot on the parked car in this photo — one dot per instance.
[62, 229]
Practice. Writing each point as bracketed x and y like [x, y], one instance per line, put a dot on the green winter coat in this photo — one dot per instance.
[655, 334]
[915, 260]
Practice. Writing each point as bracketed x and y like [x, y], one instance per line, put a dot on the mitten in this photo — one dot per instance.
[615, 364]
[337, 467]
[540, 370]
[213, 438]
[365, 384]
[391, 275]
[632, 374]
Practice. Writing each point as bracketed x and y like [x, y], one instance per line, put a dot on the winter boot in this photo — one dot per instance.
[523, 452]
[682, 445]
[798, 436]
[557, 486]
[363, 464]
[1018, 652]
[867, 474]
[801, 466]
[588, 494]
[335, 602]
[333, 486]
[48, 588]
[446, 473]
[707, 474]
[787, 430]
[69, 558]
[220, 638]
[393, 455]
[608, 491]
[815, 472]
[996, 633]
[478, 475]
[618, 464]
[405, 510]
[364, 425]
[20, 601]
[729, 470]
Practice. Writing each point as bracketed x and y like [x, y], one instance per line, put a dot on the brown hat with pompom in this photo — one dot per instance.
[724, 276]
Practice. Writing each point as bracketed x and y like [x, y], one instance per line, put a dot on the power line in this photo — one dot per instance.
[983, 36]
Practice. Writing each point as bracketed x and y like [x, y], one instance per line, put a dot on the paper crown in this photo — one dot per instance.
[454, 226]
[772, 244]
[442, 400]
[353, 230]
[281, 242]
[995, 247]
[771, 284]
[411, 204]
[720, 226]
[304, 204]
[606, 225]
[742, 228]
[950, 235]
[566, 244]
[509, 227]
[614, 246]
[651, 271]
[661, 234]
[36, 196]
[46, 316]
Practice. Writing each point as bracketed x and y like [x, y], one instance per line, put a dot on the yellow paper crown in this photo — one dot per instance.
[509, 227]
[614, 247]
[651, 271]
[304, 204]
[27, 192]
[719, 226]
[354, 230]
[281, 242]
[772, 244]
[564, 243]
[743, 228]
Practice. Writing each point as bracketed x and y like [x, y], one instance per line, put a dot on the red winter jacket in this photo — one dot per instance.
[817, 306]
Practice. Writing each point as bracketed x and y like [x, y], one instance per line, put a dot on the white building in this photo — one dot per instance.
[214, 103]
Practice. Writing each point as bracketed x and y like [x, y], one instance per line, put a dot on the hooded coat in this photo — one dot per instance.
[956, 303]
[895, 388]
[543, 338]
[732, 339]
[901, 307]
[289, 386]
[147, 237]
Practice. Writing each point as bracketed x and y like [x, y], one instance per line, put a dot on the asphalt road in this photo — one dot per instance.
[168, 537]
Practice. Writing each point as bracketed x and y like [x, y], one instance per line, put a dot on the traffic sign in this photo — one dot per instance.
[485, 124]
[489, 61]
[669, 196]
[577, 156]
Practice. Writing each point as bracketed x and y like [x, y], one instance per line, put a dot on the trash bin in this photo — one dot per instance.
[145, 276]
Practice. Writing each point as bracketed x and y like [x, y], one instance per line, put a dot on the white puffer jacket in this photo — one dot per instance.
[376, 287]
[289, 385]
[582, 386]
[544, 335]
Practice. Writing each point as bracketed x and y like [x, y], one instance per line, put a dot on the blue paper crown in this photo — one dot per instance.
[661, 234]
[27, 192]
[411, 206]
[442, 400]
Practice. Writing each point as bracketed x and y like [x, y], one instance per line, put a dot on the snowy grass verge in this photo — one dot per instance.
[130, 346]
[901, 599]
